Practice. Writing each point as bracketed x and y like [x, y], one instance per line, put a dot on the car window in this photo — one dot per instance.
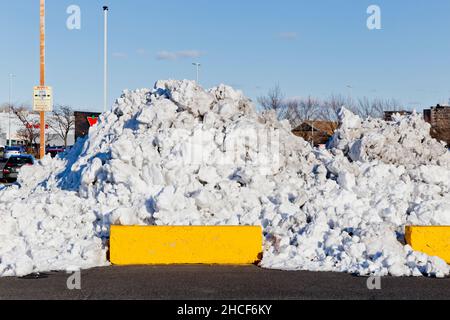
[19, 161]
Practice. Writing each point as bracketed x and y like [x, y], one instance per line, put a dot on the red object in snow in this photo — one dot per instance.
[92, 121]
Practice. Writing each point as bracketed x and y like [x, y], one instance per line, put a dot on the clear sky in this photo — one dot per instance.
[307, 47]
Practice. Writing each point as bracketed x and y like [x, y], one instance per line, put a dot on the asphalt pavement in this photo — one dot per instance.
[216, 283]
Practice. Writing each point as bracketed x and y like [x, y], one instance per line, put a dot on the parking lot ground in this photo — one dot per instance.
[217, 283]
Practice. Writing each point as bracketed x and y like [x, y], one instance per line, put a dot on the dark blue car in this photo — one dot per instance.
[14, 164]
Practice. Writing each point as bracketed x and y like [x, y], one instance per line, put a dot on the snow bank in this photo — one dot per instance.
[404, 141]
[181, 155]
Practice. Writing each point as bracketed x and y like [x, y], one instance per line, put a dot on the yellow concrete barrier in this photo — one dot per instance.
[434, 241]
[154, 245]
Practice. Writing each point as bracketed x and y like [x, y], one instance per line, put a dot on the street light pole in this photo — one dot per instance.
[105, 52]
[198, 65]
[11, 76]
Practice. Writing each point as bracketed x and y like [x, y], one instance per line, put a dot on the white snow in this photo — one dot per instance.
[181, 155]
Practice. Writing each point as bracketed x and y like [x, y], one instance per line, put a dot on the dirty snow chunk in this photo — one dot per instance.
[181, 155]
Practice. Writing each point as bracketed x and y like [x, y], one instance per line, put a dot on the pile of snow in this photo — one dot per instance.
[405, 140]
[180, 155]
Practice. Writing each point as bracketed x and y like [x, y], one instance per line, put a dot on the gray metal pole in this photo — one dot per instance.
[198, 70]
[105, 70]
[10, 105]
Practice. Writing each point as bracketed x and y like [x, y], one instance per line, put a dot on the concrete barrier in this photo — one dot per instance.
[434, 241]
[154, 245]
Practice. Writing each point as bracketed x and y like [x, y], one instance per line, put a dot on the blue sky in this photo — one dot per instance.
[307, 47]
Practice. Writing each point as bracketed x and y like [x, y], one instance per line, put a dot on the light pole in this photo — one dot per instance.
[11, 76]
[105, 53]
[198, 65]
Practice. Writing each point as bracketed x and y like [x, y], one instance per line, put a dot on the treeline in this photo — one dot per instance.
[299, 110]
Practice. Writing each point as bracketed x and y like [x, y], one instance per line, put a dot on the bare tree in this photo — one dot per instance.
[309, 109]
[62, 122]
[375, 108]
[30, 131]
[299, 110]
[273, 101]
[330, 108]
[295, 110]
[364, 108]
[291, 112]
[392, 105]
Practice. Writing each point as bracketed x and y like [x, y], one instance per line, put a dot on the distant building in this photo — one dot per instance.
[3, 139]
[439, 118]
[16, 139]
[83, 122]
[389, 115]
[317, 132]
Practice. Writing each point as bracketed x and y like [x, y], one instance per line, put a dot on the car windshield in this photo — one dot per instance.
[20, 161]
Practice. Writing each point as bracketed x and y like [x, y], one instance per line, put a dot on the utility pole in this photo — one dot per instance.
[11, 76]
[105, 53]
[198, 65]
[42, 78]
